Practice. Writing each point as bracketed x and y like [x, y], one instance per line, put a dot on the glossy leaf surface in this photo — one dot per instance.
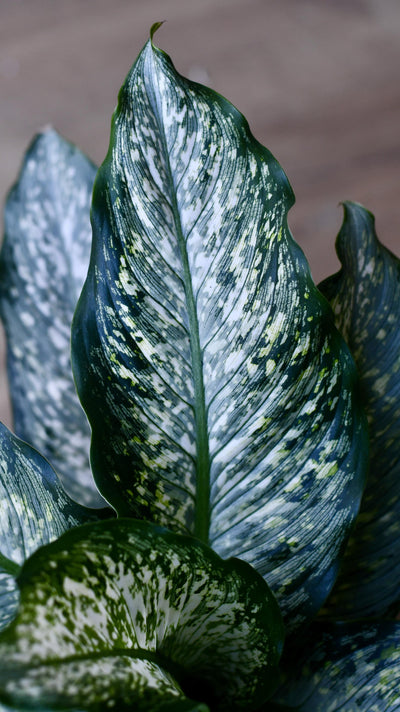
[365, 295]
[346, 668]
[220, 395]
[43, 265]
[129, 614]
[34, 510]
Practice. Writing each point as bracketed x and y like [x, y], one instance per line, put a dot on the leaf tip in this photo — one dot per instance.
[356, 236]
[353, 210]
[46, 128]
[154, 28]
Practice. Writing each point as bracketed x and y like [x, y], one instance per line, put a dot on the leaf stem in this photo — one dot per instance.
[152, 656]
[202, 496]
[202, 507]
[202, 500]
[8, 566]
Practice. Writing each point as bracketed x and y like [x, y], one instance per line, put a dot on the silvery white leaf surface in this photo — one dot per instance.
[221, 397]
[43, 265]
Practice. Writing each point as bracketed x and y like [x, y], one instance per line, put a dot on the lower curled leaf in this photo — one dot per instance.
[345, 668]
[34, 510]
[125, 614]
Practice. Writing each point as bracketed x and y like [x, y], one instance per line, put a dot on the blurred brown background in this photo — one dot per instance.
[318, 81]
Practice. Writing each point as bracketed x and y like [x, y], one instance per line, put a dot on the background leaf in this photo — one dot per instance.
[124, 611]
[365, 295]
[346, 667]
[220, 395]
[34, 510]
[43, 264]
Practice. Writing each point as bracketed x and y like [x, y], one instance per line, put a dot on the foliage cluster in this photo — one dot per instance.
[232, 542]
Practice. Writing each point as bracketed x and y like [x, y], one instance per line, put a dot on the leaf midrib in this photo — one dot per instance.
[202, 498]
[9, 566]
[151, 656]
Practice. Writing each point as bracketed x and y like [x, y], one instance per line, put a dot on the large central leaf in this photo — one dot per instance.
[219, 392]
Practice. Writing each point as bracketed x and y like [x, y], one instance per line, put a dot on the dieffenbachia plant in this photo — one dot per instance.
[229, 428]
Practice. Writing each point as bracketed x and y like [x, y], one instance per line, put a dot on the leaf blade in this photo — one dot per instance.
[34, 510]
[137, 600]
[365, 295]
[43, 265]
[348, 667]
[189, 213]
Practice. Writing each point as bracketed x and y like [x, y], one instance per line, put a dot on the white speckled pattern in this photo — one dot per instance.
[346, 667]
[43, 265]
[220, 395]
[365, 296]
[34, 510]
[118, 611]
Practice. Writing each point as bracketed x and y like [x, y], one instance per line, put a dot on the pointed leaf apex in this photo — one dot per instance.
[154, 29]
[356, 235]
[46, 129]
[353, 211]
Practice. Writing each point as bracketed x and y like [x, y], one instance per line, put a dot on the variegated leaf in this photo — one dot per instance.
[43, 265]
[128, 615]
[220, 395]
[345, 668]
[365, 295]
[34, 510]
